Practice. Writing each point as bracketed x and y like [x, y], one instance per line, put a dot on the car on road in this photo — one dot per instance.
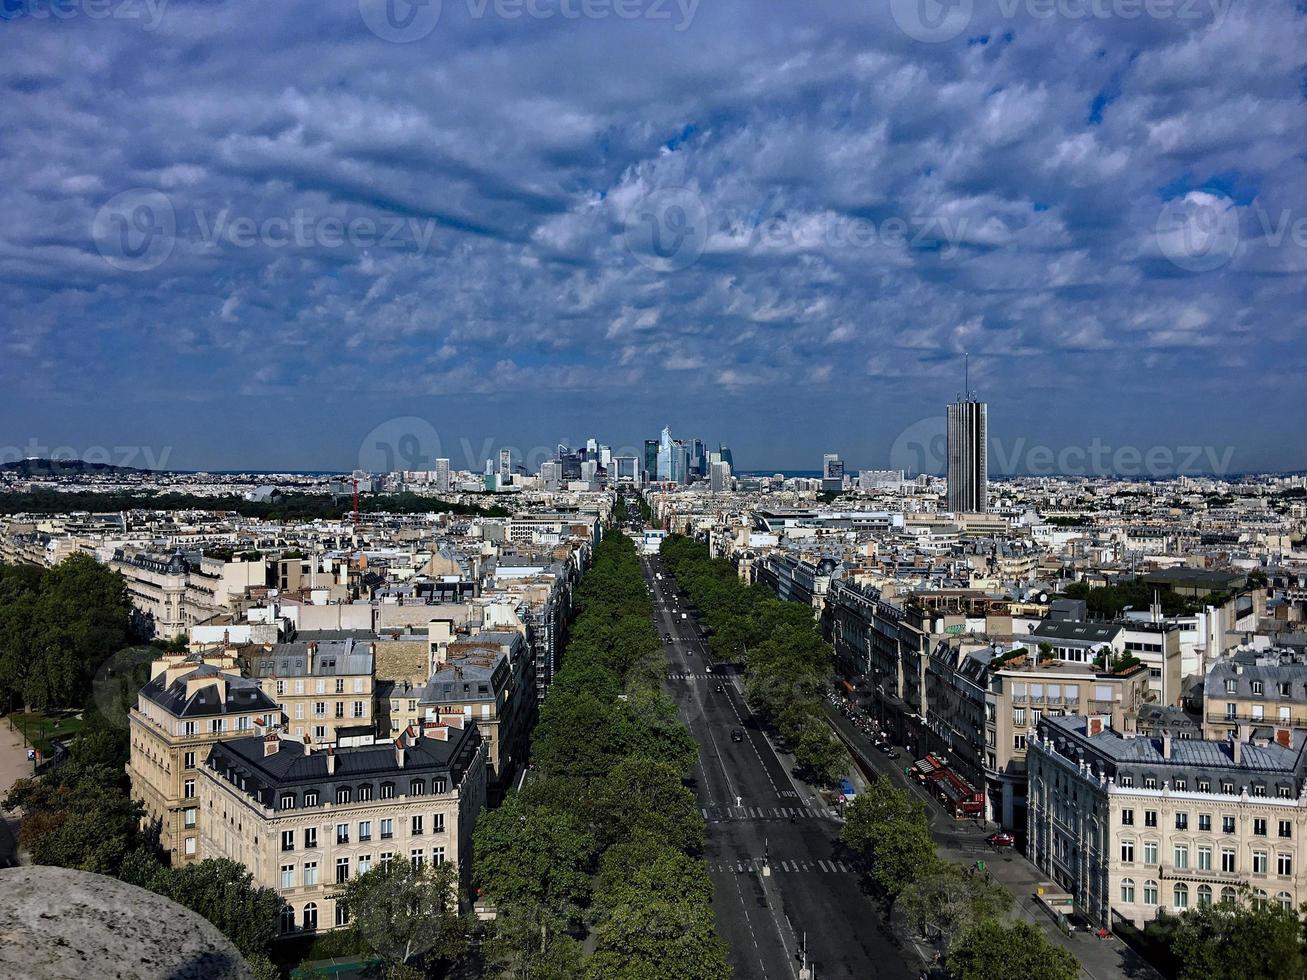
[720, 689]
[737, 735]
[1001, 839]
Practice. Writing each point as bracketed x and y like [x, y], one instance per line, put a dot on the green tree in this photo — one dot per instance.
[646, 866]
[224, 892]
[90, 825]
[533, 855]
[951, 899]
[886, 828]
[1237, 940]
[820, 754]
[645, 797]
[652, 937]
[991, 950]
[407, 915]
[528, 943]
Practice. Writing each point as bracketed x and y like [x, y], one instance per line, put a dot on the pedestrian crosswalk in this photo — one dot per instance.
[691, 677]
[716, 814]
[806, 866]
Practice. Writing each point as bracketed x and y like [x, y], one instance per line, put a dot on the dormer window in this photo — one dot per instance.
[1257, 687]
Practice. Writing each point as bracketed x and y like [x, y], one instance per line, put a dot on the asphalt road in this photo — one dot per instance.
[758, 814]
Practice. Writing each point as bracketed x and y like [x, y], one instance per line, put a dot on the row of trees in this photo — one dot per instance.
[284, 507]
[605, 838]
[57, 626]
[887, 832]
[787, 663]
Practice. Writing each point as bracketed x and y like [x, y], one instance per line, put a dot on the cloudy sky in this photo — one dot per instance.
[285, 234]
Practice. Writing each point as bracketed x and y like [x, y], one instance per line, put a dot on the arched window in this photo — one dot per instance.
[1181, 895]
[311, 917]
[1128, 891]
[1150, 892]
[287, 919]
[1259, 898]
[1285, 900]
[1228, 896]
[342, 913]
[1204, 896]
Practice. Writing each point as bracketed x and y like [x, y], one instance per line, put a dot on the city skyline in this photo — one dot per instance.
[1107, 212]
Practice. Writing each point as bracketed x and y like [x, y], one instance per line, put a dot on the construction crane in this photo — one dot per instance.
[358, 475]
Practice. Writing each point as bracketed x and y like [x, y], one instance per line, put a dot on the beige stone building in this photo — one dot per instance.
[325, 689]
[1023, 692]
[1131, 826]
[189, 704]
[1261, 690]
[305, 820]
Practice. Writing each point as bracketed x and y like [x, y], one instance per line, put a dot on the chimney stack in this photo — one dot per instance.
[331, 761]
[271, 743]
[1166, 745]
[399, 752]
[308, 745]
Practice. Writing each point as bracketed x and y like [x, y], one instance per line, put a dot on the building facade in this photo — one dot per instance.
[188, 705]
[304, 820]
[1134, 826]
[968, 461]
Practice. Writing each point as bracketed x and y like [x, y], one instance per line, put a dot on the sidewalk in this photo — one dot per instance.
[13, 767]
[963, 840]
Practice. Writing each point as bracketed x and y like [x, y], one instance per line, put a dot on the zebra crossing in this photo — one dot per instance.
[692, 677]
[807, 866]
[716, 814]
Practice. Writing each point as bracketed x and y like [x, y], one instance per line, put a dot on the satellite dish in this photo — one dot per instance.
[1043, 597]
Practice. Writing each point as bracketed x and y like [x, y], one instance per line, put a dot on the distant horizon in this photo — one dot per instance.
[788, 473]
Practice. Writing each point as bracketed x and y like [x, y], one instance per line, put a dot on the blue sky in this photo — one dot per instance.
[256, 235]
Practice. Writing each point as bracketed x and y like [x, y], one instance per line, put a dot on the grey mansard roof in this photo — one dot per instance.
[243, 695]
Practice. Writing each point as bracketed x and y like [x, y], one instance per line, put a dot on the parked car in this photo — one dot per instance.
[737, 735]
[720, 689]
[1001, 839]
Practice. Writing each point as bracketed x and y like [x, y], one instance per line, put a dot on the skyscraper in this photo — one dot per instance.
[720, 475]
[651, 460]
[505, 463]
[727, 458]
[832, 473]
[442, 474]
[666, 451]
[968, 466]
